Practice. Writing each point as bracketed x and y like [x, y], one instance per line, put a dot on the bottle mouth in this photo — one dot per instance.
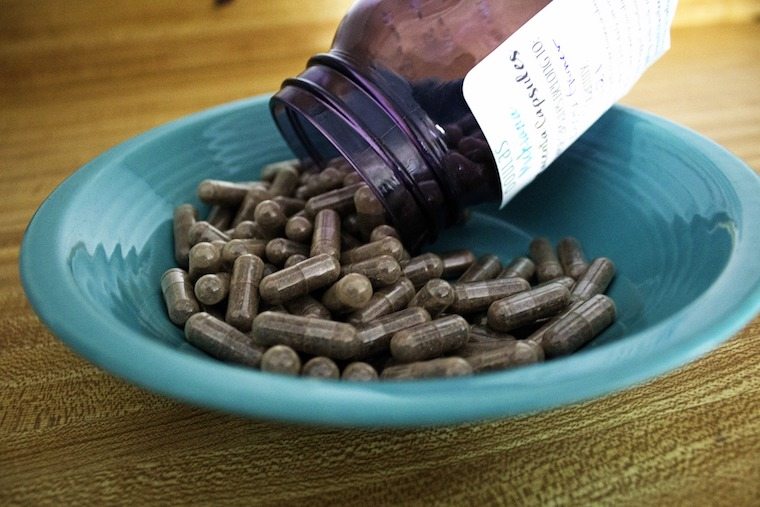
[330, 110]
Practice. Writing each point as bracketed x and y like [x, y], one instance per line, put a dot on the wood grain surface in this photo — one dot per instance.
[78, 77]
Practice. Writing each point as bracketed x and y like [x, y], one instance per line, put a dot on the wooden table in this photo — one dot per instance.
[79, 77]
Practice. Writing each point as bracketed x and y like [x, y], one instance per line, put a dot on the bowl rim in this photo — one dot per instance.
[115, 347]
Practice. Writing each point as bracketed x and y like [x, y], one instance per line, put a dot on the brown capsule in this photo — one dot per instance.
[203, 231]
[359, 371]
[571, 257]
[422, 268]
[537, 336]
[519, 267]
[473, 297]
[285, 181]
[222, 193]
[385, 246]
[294, 259]
[279, 249]
[247, 230]
[563, 280]
[204, 258]
[474, 348]
[220, 217]
[547, 263]
[351, 292]
[375, 336]
[307, 306]
[329, 179]
[243, 298]
[222, 341]
[269, 171]
[326, 236]
[237, 247]
[479, 333]
[270, 218]
[508, 355]
[289, 205]
[299, 279]
[594, 280]
[178, 295]
[252, 198]
[485, 268]
[340, 200]
[387, 300]
[525, 307]
[441, 367]
[431, 339]
[321, 367]
[299, 228]
[579, 326]
[212, 288]
[456, 262]
[369, 211]
[306, 334]
[281, 359]
[352, 178]
[383, 231]
[435, 297]
[184, 218]
[382, 271]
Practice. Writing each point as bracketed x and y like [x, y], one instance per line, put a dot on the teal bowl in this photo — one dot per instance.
[678, 214]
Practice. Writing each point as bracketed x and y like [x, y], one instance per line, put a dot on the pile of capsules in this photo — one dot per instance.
[299, 274]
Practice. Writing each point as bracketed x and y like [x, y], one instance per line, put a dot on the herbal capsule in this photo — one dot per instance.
[456, 262]
[422, 268]
[385, 246]
[352, 178]
[289, 205]
[508, 355]
[299, 279]
[537, 336]
[579, 326]
[299, 228]
[369, 211]
[520, 267]
[481, 334]
[431, 339]
[237, 247]
[222, 193]
[340, 200]
[472, 297]
[441, 367]
[384, 301]
[565, 281]
[547, 264]
[252, 198]
[472, 348]
[383, 231]
[320, 367]
[184, 218]
[351, 292]
[269, 171]
[375, 336]
[279, 249]
[243, 298]
[307, 306]
[178, 295]
[435, 296]
[203, 231]
[485, 268]
[247, 230]
[382, 271]
[359, 371]
[220, 217]
[281, 359]
[306, 334]
[294, 259]
[212, 288]
[204, 258]
[270, 218]
[527, 306]
[329, 179]
[595, 280]
[284, 181]
[326, 236]
[571, 257]
[222, 341]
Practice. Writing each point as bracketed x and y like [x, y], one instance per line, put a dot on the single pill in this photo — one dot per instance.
[520, 267]
[537, 336]
[435, 297]
[351, 292]
[422, 268]
[479, 333]
[212, 288]
[387, 300]
[352, 178]
[571, 257]
[243, 298]
[341, 200]
[525, 307]
[252, 198]
[307, 306]
[269, 171]
[383, 231]
[285, 181]
[294, 259]
[204, 258]
[319, 337]
[320, 367]
[359, 371]
[484, 268]
[289, 205]
[222, 341]
[299, 228]
[270, 218]
[299, 279]
[237, 247]
[178, 295]
[279, 249]
[329, 179]
[281, 359]
[472, 297]
[326, 236]
[382, 271]
[184, 218]
[222, 193]
[369, 210]
[595, 280]
[509, 354]
[441, 367]
[220, 217]
[547, 263]
[375, 336]
[203, 231]
[456, 262]
[385, 246]
[431, 339]
[579, 326]
[247, 230]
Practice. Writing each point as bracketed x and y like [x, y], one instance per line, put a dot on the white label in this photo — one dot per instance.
[538, 91]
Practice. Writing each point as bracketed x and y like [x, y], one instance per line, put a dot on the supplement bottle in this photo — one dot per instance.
[442, 104]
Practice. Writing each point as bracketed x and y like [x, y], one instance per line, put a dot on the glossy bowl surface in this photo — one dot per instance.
[678, 214]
